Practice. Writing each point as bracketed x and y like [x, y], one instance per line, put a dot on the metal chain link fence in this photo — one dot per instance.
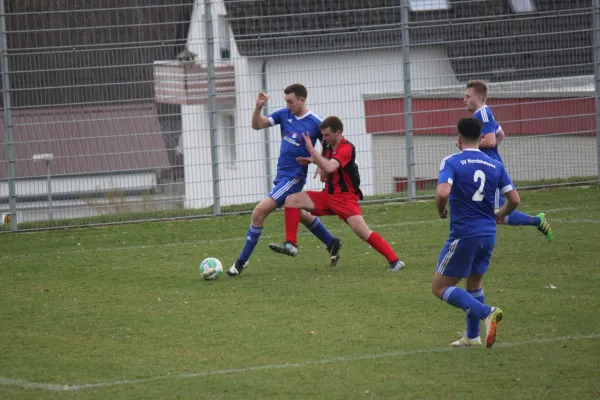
[117, 111]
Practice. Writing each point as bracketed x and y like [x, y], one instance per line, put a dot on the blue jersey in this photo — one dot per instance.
[292, 142]
[490, 127]
[474, 177]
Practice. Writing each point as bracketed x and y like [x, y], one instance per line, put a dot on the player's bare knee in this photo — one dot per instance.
[363, 232]
[364, 235]
[258, 216]
[441, 282]
[291, 201]
[262, 210]
[359, 227]
[306, 218]
[473, 282]
[436, 289]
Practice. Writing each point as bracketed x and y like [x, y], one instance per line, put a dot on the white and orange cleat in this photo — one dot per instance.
[491, 326]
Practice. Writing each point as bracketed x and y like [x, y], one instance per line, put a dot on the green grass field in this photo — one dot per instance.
[122, 312]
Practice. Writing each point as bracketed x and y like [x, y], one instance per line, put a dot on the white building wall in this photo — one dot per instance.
[336, 85]
[243, 182]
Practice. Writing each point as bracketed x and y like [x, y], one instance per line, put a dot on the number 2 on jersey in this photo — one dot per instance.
[479, 176]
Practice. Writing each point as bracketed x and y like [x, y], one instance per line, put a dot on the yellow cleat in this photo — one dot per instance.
[544, 226]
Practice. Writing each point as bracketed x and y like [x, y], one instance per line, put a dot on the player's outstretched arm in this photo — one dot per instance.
[326, 165]
[259, 121]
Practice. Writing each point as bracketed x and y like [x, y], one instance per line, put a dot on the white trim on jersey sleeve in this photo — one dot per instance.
[443, 163]
[507, 189]
[450, 181]
[498, 129]
[316, 116]
[304, 116]
[271, 121]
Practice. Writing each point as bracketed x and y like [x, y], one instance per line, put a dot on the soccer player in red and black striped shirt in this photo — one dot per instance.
[340, 196]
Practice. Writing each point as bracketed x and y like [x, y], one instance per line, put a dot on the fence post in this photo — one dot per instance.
[212, 106]
[408, 122]
[596, 39]
[8, 131]
[267, 131]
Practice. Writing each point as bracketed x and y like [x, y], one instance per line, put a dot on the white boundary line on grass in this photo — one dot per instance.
[335, 360]
[208, 241]
[195, 243]
[576, 221]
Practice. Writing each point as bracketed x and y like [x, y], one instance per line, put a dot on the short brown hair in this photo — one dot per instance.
[333, 123]
[478, 87]
[298, 89]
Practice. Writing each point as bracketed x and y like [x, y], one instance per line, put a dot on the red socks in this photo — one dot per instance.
[292, 220]
[379, 244]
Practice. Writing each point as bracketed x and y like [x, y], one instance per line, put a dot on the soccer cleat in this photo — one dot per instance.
[466, 342]
[396, 266]
[237, 268]
[491, 326]
[334, 251]
[286, 248]
[544, 226]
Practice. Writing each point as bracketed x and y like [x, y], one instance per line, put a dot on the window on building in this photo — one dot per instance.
[228, 140]
[223, 38]
[522, 6]
[428, 5]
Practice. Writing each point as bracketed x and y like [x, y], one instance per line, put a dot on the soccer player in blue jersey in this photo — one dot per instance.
[468, 180]
[295, 119]
[475, 98]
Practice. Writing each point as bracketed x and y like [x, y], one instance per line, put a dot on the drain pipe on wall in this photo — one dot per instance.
[267, 131]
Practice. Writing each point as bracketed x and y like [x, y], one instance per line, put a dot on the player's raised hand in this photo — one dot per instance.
[261, 99]
[304, 160]
[307, 141]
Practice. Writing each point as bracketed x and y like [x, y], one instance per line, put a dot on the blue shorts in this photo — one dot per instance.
[463, 257]
[283, 187]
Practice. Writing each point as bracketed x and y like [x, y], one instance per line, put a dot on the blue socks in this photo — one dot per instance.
[251, 241]
[254, 232]
[517, 218]
[319, 230]
[462, 299]
[473, 321]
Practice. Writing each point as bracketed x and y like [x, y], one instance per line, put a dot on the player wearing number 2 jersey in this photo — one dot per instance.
[468, 181]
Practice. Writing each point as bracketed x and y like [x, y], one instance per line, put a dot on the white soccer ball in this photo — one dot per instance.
[211, 269]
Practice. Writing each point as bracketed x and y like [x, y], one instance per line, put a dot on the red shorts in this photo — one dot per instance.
[344, 205]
